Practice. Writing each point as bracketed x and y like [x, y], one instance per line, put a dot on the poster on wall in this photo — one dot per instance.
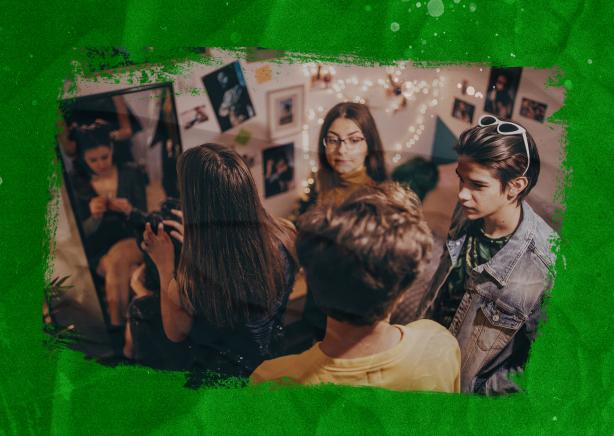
[285, 111]
[533, 110]
[463, 110]
[193, 116]
[278, 165]
[229, 97]
[501, 91]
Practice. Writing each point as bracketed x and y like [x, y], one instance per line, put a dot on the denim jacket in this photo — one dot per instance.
[496, 320]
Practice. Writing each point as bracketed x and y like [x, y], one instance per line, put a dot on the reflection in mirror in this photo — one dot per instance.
[119, 152]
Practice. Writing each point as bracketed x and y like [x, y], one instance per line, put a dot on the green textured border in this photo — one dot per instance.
[569, 377]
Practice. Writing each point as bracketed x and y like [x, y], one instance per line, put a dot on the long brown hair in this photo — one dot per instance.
[374, 162]
[232, 268]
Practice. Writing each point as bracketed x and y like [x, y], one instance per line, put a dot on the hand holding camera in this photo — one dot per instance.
[158, 245]
[177, 233]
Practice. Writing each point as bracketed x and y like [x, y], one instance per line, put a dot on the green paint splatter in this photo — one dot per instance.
[568, 381]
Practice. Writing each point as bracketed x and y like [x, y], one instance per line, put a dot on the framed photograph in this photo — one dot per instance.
[501, 91]
[229, 97]
[285, 111]
[533, 110]
[463, 110]
[278, 165]
[194, 116]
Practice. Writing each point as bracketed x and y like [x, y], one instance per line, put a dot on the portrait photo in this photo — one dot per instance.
[278, 165]
[501, 91]
[463, 110]
[229, 97]
[533, 110]
[285, 111]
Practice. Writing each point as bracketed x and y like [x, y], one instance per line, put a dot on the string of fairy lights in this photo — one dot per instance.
[399, 93]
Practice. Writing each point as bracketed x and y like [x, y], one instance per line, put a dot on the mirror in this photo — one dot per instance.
[119, 152]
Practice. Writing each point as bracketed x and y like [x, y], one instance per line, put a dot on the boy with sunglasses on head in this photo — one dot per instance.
[496, 265]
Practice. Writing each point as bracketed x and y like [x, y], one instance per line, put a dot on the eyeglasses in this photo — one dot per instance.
[334, 143]
[507, 128]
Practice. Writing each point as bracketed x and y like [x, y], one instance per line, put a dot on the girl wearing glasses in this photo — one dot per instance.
[350, 152]
[496, 264]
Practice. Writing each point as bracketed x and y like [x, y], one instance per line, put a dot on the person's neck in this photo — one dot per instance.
[503, 222]
[358, 175]
[106, 175]
[344, 340]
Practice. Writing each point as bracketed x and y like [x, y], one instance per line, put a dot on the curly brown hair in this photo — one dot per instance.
[362, 255]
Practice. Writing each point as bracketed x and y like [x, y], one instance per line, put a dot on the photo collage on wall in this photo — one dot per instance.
[232, 106]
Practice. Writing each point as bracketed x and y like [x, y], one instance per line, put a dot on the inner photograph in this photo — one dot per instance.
[388, 226]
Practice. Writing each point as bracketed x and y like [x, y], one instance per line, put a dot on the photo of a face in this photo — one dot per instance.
[278, 165]
[285, 111]
[533, 110]
[463, 111]
[229, 97]
[501, 91]
[286, 114]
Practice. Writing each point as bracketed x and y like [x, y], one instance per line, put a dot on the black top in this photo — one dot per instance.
[238, 351]
[101, 234]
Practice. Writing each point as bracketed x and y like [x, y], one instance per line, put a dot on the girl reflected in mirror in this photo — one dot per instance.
[106, 194]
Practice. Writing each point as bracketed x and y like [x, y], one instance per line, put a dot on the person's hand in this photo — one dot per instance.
[120, 205]
[178, 226]
[98, 206]
[159, 247]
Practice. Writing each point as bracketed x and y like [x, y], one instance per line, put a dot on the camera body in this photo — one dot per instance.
[138, 219]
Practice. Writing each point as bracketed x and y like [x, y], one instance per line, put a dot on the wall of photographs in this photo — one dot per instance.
[271, 112]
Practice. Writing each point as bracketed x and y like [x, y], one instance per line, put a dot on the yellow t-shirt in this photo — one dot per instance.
[426, 359]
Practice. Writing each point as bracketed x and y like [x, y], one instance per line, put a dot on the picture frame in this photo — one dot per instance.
[501, 91]
[285, 111]
[229, 96]
[533, 110]
[463, 110]
[278, 169]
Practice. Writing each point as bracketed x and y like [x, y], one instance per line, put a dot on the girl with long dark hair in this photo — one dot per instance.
[106, 195]
[236, 269]
[349, 150]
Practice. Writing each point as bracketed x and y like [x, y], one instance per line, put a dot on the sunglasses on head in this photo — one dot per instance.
[507, 128]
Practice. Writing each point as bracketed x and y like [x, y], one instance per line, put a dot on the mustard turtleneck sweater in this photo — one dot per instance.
[336, 187]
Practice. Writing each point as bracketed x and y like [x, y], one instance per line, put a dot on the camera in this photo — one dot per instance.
[138, 219]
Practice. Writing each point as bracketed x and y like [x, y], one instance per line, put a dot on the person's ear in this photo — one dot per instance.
[516, 186]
